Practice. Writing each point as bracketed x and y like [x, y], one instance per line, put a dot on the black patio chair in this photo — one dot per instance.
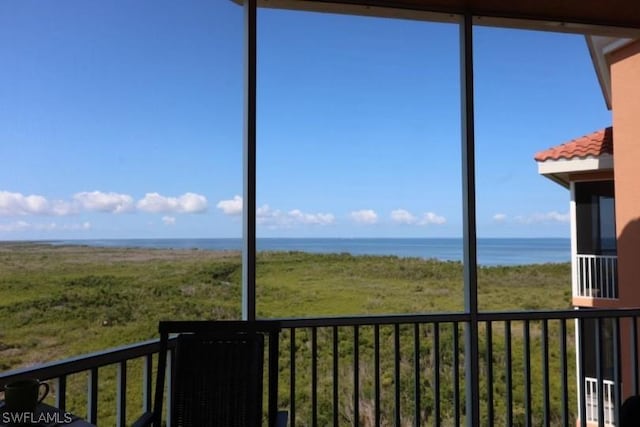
[217, 374]
[630, 412]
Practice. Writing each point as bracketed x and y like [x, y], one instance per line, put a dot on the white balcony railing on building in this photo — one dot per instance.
[591, 400]
[597, 276]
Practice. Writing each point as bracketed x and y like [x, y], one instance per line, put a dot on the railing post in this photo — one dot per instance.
[613, 267]
[436, 373]
[169, 385]
[376, 367]
[92, 396]
[564, 372]
[591, 269]
[489, 370]
[314, 377]
[121, 394]
[147, 390]
[356, 376]
[508, 374]
[456, 375]
[416, 379]
[526, 337]
[396, 375]
[635, 385]
[61, 392]
[292, 376]
[336, 389]
[616, 387]
[545, 372]
[580, 360]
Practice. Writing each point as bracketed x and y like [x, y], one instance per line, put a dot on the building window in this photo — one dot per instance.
[595, 218]
[590, 349]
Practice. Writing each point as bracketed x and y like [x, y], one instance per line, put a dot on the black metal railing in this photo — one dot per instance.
[410, 370]
[91, 366]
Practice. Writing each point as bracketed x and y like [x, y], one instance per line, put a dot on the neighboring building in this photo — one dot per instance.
[602, 172]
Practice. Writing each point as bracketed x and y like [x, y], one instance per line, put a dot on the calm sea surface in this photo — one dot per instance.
[490, 251]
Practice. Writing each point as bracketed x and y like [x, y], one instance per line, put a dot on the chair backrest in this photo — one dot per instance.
[217, 372]
[630, 412]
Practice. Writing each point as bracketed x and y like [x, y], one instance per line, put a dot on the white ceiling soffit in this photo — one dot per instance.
[591, 163]
[599, 48]
[558, 170]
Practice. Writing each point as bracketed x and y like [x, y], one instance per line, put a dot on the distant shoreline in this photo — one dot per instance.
[107, 297]
[491, 251]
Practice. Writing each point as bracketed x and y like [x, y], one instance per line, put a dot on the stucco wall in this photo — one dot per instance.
[625, 89]
[625, 94]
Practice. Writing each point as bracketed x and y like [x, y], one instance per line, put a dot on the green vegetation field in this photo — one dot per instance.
[59, 301]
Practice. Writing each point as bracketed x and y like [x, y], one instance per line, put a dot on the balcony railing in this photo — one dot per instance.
[395, 370]
[91, 365]
[591, 400]
[597, 276]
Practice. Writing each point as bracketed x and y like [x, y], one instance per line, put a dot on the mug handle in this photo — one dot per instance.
[46, 391]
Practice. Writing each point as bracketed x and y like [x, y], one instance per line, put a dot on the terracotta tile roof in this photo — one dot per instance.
[595, 144]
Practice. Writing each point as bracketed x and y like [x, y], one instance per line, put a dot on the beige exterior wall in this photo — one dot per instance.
[625, 93]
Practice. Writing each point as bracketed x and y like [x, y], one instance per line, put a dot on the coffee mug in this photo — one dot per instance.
[24, 395]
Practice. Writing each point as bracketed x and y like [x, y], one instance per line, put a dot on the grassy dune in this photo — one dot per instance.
[59, 301]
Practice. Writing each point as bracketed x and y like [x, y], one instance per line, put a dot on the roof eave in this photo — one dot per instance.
[559, 170]
[599, 48]
[602, 71]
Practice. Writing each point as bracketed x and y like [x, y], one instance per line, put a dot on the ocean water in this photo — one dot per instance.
[491, 251]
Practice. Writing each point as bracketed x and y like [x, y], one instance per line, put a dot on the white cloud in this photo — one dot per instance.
[169, 220]
[547, 217]
[17, 204]
[271, 217]
[62, 208]
[311, 218]
[264, 212]
[275, 218]
[231, 207]
[402, 216]
[15, 226]
[500, 217]
[187, 203]
[364, 216]
[50, 226]
[83, 226]
[97, 201]
[432, 218]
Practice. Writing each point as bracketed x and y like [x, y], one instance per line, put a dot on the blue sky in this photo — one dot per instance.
[124, 119]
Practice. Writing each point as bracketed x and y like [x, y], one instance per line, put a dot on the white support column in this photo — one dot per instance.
[574, 240]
